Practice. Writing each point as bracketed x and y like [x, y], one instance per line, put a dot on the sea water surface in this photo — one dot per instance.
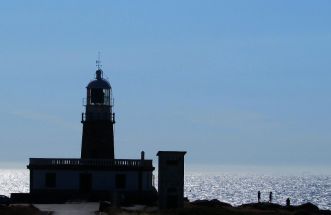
[232, 187]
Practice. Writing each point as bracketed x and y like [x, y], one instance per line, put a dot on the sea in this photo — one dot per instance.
[234, 187]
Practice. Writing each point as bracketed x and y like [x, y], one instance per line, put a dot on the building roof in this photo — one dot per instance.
[100, 82]
[171, 153]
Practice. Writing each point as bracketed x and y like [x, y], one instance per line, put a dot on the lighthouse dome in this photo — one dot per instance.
[100, 82]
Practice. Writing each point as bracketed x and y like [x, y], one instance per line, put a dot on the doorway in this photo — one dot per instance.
[85, 182]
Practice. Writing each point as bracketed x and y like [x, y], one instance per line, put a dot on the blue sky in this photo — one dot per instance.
[231, 82]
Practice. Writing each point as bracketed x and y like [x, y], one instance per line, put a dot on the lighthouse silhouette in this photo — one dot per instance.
[98, 120]
[97, 175]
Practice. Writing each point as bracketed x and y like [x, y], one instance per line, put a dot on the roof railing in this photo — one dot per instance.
[90, 162]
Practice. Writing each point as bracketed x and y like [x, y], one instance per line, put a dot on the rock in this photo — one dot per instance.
[304, 213]
[308, 207]
[262, 206]
[210, 203]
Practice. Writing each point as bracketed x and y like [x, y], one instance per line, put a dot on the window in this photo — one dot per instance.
[120, 181]
[50, 179]
[97, 96]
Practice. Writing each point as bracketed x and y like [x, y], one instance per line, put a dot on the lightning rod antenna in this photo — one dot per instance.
[98, 62]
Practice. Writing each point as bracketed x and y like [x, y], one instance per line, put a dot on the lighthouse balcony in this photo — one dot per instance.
[105, 164]
[103, 116]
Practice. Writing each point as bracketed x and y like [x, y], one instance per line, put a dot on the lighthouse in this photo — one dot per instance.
[96, 175]
[98, 120]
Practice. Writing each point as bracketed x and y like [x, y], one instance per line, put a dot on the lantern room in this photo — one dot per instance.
[99, 91]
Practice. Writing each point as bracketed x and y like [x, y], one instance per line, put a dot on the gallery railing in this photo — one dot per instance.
[90, 162]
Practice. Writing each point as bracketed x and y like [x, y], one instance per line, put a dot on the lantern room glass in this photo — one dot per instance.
[99, 96]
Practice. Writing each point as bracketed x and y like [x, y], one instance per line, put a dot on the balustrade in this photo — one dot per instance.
[90, 162]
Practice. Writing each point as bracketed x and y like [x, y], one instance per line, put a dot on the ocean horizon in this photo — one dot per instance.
[232, 184]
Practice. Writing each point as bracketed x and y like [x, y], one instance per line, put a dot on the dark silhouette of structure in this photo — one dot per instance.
[171, 179]
[98, 120]
[97, 175]
[270, 197]
[258, 196]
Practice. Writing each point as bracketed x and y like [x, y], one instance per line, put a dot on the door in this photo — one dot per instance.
[85, 182]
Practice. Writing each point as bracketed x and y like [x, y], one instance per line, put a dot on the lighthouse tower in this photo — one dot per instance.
[97, 175]
[98, 120]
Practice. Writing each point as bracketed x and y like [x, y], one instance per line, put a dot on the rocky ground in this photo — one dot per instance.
[20, 209]
[215, 207]
[200, 207]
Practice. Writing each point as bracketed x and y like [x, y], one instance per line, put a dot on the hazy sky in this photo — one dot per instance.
[231, 82]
